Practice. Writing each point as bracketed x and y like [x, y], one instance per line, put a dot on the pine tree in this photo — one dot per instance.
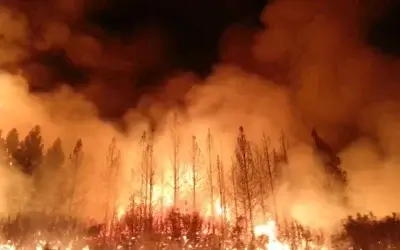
[50, 175]
[3, 148]
[11, 145]
[29, 155]
[113, 163]
[76, 160]
[195, 154]
[2, 140]
[209, 142]
[55, 156]
[175, 159]
[246, 176]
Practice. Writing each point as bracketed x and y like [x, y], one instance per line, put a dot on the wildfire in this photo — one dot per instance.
[121, 212]
[40, 246]
[269, 229]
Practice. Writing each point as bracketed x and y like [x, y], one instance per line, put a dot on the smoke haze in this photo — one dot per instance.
[323, 75]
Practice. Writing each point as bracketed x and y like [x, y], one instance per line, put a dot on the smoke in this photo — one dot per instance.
[336, 82]
[324, 76]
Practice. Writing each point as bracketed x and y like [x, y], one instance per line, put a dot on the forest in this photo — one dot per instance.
[241, 209]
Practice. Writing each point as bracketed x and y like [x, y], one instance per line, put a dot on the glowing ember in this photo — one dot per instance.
[269, 229]
[120, 212]
[7, 247]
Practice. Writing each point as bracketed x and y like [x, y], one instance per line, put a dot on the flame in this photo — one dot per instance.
[121, 212]
[7, 247]
[270, 230]
[39, 246]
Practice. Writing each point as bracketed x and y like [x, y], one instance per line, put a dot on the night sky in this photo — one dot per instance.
[190, 32]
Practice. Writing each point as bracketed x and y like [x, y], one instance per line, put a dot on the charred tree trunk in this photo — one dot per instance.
[113, 161]
[76, 160]
[245, 164]
[194, 171]
[210, 171]
[221, 186]
[235, 193]
[175, 163]
[270, 176]
[151, 184]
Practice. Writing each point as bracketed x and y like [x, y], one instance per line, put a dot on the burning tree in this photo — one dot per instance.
[210, 173]
[76, 160]
[195, 155]
[332, 163]
[113, 162]
[147, 179]
[51, 169]
[30, 151]
[11, 145]
[222, 195]
[55, 156]
[175, 159]
[246, 177]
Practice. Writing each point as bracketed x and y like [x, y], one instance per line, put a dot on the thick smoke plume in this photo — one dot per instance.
[324, 76]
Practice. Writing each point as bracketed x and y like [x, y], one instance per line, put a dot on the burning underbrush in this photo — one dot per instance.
[175, 230]
[199, 202]
[178, 230]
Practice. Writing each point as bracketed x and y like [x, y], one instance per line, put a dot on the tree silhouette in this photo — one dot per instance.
[331, 162]
[76, 160]
[113, 163]
[55, 156]
[246, 174]
[2, 141]
[29, 155]
[50, 175]
[11, 145]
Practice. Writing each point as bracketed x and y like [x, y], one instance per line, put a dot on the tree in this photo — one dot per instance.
[2, 141]
[246, 175]
[113, 160]
[76, 160]
[271, 168]
[210, 170]
[332, 164]
[29, 155]
[51, 169]
[11, 145]
[195, 154]
[222, 198]
[3, 147]
[175, 159]
[55, 156]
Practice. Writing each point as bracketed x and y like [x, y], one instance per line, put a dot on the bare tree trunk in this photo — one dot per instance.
[175, 161]
[235, 194]
[162, 195]
[210, 171]
[246, 164]
[141, 205]
[145, 170]
[271, 177]
[151, 184]
[76, 159]
[113, 161]
[247, 187]
[221, 186]
[194, 171]
[116, 164]
[261, 180]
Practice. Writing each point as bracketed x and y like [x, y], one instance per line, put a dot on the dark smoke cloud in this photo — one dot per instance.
[54, 43]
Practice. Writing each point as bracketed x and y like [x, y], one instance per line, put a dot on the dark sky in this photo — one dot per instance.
[190, 30]
[197, 25]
